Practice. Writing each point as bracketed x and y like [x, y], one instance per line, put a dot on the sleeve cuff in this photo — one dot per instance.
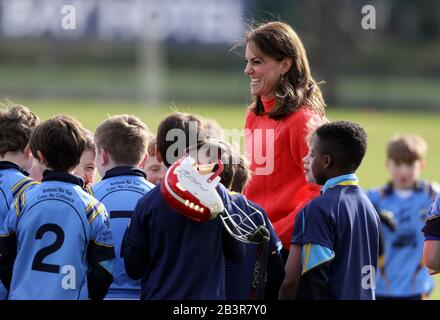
[430, 237]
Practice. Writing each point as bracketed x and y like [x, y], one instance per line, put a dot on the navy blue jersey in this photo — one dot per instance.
[340, 228]
[60, 230]
[239, 275]
[120, 190]
[402, 273]
[13, 181]
[183, 258]
[432, 224]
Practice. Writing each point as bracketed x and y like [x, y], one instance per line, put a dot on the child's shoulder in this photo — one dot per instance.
[432, 188]
[241, 200]
[15, 181]
[322, 202]
[334, 196]
[153, 198]
[88, 204]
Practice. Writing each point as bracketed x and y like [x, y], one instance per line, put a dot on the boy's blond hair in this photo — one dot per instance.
[406, 148]
[124, 137]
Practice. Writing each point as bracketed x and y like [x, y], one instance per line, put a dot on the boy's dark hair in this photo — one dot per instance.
[217, 149]
[61, 140]
[184, 130]
[16, 126]
[406, 148]
[242, 175]
[124, 137]
[345, 141]
[236, 172]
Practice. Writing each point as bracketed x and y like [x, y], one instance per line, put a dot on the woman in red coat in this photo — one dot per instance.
[287, 105]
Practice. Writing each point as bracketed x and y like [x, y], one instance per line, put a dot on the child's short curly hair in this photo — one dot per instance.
[345, 141]
[16, 126]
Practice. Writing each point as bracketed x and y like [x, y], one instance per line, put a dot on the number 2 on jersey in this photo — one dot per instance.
[38, 263]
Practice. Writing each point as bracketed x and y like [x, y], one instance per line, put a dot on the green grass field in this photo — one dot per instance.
[379, 125]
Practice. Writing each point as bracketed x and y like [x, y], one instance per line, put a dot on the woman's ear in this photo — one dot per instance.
[286, 65]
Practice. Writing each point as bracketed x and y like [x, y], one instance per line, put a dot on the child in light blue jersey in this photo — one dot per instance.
[403, 204]
[56, 238]
[16, 126]
[121, 144]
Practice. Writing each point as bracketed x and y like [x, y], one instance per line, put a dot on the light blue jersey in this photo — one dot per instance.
[401, 272]
[120, 190]
[60, 231]
[13, 181]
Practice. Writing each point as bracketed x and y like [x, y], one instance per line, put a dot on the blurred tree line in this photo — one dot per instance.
[404, 45]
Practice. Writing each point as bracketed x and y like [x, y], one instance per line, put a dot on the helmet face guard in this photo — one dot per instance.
[247, 228]
[190, 188]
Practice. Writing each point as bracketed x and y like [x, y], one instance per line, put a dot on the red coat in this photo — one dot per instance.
[278, 183]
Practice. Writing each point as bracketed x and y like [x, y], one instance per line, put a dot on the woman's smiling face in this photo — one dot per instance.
[264, 71]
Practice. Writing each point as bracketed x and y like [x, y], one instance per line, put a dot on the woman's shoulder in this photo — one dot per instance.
[305, 115]
[251, 118]
[304, 112]
[250, 110]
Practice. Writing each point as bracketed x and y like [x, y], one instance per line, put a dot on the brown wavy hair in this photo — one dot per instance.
[297, 87]
[16, 126]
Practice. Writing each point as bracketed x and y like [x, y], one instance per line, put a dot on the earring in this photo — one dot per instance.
[282, 77]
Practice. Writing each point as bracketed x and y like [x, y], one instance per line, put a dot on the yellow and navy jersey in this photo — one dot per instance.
[13, 182]
[339, 235]
[119, 190]
[60, 232]
[401, 271]
[431, 228]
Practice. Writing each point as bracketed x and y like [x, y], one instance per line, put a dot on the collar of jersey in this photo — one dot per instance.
[4, 165]
[51, 175]
[124, 171]
[344, 180]
[389, 188]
